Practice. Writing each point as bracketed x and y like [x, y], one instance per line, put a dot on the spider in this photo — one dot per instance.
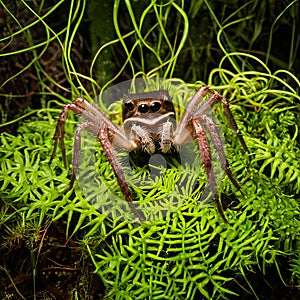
[149, 127]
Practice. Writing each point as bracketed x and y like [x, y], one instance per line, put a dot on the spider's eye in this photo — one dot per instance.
[143, 108]
[155, 106]
[129, 105]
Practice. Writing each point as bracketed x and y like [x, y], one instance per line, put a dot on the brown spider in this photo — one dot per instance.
[149, 127]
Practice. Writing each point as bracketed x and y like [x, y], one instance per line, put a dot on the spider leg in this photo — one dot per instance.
[109, 135]
[215, 98]
[185, 128]
[96, 119]
[191, 126]
[206, 160]
[232, 121]
[60, 132]
[77, 148]
[217, 142]
[213, 131]
[103, 136]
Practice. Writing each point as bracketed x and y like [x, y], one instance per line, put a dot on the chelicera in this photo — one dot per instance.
[150, 127]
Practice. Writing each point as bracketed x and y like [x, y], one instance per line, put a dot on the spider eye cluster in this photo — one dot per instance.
[144, 107]
[153, 107]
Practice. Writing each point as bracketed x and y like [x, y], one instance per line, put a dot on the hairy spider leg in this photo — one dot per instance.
[60, 132]
[215, 98]
[232, 122]
[109, 133]
[195, 117]
[217, 142]
[216, 139]
[206, 160]
[185, 128]
[166, 136]
[143, 138]
[77, 148]
[103, 136]
[97, 123]
[192, 109]
[213, 131]
[98, 118]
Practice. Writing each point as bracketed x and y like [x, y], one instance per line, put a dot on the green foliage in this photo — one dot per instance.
[192, 253]
[189, 253]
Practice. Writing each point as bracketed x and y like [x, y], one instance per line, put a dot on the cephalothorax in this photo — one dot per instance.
[149, 127]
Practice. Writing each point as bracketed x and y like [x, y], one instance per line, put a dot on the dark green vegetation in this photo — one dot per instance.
[55, 245]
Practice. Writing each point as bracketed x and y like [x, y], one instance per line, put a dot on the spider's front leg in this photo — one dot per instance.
[105, 136]
[107, 132]
[193, 124]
